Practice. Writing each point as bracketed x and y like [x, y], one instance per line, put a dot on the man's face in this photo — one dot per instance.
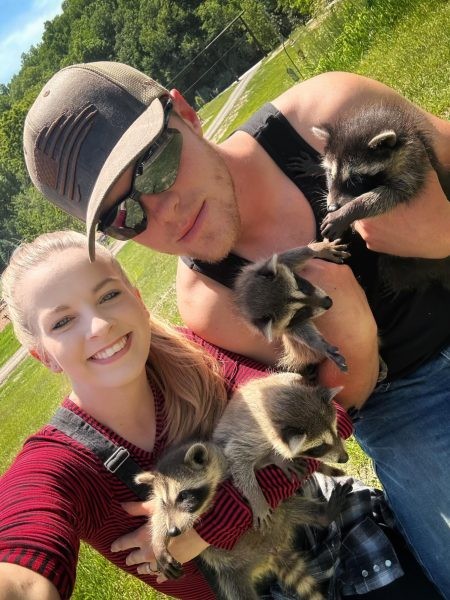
[198, 215]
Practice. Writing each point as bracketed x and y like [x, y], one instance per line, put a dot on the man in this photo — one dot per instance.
[112, 147]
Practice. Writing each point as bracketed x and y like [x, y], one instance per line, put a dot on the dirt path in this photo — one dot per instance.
[227, 107]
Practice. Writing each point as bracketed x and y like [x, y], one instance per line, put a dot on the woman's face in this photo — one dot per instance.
[88, 321]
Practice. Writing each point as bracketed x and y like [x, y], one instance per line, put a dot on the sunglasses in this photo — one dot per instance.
[155, 171]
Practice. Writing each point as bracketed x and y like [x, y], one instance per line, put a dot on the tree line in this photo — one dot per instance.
[181, 43]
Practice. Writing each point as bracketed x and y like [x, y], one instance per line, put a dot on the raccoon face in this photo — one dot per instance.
[181, 506]
[358, 157]
[269, 294]
[308, 429]
[347, 180]
[183, 486]
[312, 297]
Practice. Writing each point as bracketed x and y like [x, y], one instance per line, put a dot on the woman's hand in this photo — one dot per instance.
[184, 548]
[417, 228]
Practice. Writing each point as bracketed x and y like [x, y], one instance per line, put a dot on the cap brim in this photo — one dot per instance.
[136, 139]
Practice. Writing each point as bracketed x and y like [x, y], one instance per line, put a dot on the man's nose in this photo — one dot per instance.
[161, 207]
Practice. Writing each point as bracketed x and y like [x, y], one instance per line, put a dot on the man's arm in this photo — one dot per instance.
[207, 308]
[19, 583]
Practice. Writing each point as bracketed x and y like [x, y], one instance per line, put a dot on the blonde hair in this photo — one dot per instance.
[190, 380]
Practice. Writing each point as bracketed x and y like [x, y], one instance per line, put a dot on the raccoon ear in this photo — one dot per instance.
[385, 138]
[269, 268]
[196, 456]
[322, 132]
[332, 392]
[266, 328]
[294, 438]
[147, 478]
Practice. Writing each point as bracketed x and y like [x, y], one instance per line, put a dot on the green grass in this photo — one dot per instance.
[404, 43]
[154, 275]
[414, 58]
[8, 344]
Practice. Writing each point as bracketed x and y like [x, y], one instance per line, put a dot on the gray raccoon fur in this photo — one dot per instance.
[275, 300]
[183, 487]
[376, 157]
[277, 420]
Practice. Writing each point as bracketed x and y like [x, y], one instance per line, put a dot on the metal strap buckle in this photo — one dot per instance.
[117, 459]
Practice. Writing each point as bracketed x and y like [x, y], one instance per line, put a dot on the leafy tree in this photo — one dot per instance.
[128, 26]
[165, 38]
[11, 127]
[168, 37]
[34, 215]
[92, 37]
[5, 99]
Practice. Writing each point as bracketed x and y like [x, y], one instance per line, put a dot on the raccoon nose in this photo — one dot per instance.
[174, 532]
[343, 458]
[327, 302]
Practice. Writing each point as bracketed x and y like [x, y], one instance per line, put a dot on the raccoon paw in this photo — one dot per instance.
[333, 354]
[338, 499]
[299, 466]
[383, 370]
[262, 516]
[169, 566]
[334, 251]
[262, 523]
[304, 165]
[333, 225]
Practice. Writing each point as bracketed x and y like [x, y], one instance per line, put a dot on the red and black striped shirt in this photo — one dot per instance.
[57, 492]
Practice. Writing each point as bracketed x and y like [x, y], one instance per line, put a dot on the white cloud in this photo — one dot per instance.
[22, 33]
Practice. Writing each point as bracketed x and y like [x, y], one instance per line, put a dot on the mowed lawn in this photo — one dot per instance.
[402, 43]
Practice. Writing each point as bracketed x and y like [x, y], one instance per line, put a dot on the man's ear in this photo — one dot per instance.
[47, 361]
[186, 112]
[138, 295]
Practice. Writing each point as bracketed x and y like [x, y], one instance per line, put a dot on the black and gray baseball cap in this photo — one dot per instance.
[87, 126]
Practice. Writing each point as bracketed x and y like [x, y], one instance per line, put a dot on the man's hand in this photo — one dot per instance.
[419, 228]
[183, 548]
[349, 325]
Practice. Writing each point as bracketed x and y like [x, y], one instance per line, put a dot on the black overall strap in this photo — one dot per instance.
[116, 459]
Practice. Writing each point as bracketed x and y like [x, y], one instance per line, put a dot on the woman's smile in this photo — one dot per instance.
[113, 352]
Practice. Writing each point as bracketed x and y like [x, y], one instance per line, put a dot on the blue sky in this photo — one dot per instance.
[21, 26]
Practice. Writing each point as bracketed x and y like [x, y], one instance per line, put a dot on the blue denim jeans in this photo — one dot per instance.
[405, 428]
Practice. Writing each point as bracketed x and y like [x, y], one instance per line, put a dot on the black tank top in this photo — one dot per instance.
[413, 326]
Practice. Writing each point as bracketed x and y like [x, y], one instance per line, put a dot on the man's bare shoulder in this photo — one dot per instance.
[322, 98]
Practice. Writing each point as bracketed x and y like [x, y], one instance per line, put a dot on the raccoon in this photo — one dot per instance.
[183, 487]
[277, 420]
[276, 301]
[376, 157]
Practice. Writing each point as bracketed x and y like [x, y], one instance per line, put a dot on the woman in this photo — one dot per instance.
[143, 386]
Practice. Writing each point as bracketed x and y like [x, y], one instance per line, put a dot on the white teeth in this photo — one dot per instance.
[107, 352]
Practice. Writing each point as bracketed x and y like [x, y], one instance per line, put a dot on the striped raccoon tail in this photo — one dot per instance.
[292, 571]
